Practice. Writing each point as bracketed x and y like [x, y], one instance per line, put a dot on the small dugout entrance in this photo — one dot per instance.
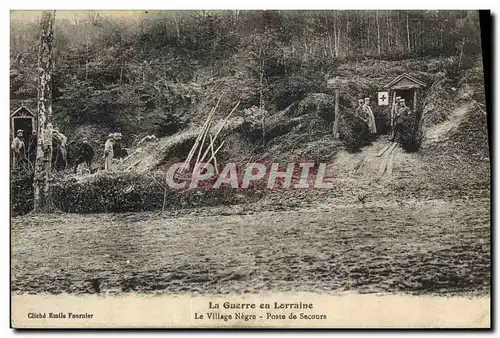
[24, 119]
[409, 88]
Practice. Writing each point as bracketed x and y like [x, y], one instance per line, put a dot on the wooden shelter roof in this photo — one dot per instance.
[414, 83]
[23, 109]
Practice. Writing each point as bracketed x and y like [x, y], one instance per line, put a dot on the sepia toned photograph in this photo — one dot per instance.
[249, 169]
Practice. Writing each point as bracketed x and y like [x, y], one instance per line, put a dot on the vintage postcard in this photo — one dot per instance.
[249, 169]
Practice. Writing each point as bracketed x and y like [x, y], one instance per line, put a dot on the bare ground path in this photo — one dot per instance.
[374, 162]
[375, 168]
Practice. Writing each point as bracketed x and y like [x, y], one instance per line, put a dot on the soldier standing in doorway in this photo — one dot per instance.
[403, 114]
[17, 149]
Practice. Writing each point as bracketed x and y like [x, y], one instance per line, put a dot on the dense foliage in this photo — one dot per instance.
[139, 71]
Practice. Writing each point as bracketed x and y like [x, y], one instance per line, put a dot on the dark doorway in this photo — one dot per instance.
[406, 94]
[26, 125]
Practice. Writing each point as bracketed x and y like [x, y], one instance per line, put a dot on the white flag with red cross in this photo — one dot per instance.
[383, 98]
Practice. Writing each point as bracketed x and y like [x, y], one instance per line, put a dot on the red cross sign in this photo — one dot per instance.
[383, 98]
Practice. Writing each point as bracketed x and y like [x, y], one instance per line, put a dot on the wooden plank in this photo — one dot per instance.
[390, 164]
[393, 145]
[383, 165]
[415, 100]
[383, 151]
[336, 82]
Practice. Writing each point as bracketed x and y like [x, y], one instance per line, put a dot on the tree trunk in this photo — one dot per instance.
[461, 53]
[43, 165]
[368, 45]
[177, 30]
[378, 34]
[336, 35]
[441, 34]
[388, 33]
[396, 42]
[408, 32]
[348, 41]
[330, 45]
[87, 59]
[337, 43]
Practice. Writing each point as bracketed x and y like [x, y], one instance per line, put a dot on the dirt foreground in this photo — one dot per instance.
[432, 247]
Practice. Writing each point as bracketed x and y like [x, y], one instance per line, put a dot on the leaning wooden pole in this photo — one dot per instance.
[43, 166]
[218, 131]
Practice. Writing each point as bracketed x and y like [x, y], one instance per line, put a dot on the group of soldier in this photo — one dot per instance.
[365, 113]
[399, 113]
[82, 151]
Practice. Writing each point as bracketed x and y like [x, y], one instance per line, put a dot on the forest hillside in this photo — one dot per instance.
[154, 72]
[161, 72]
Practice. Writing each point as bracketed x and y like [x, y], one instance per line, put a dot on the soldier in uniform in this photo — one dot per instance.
[83, 153]
[403, 114]
[17, 149]
[359, 112]
[372, 127]
[61, 142]
[394, 112]
[117, 146]
[108, 152]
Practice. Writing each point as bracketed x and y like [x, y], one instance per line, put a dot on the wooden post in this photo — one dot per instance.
[415, 100]
[43, 166]
[336, 84]
[336, 117]
[393, 109]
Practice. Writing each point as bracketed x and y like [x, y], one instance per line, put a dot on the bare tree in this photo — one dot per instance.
[348, 40]
[389, 31]
[378, 34]
[408, 32]
[43, 165]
